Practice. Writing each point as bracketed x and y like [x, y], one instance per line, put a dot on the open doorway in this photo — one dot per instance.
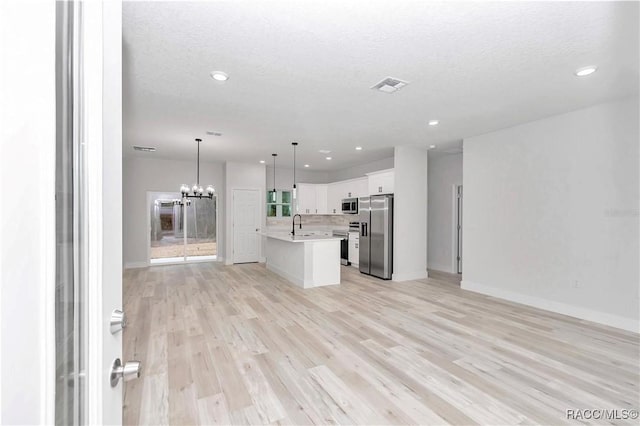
[444, 236]
[181, 233]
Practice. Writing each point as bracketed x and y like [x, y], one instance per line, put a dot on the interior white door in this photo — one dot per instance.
[99, 118]
[246, 225]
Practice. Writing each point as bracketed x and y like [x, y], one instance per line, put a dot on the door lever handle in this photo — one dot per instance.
[129, 371]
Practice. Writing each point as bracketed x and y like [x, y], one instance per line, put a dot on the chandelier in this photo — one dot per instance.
[196, 191]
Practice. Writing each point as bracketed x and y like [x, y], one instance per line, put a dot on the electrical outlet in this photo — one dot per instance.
[576, 284]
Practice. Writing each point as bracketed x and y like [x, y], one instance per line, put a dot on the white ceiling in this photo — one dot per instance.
[302, 71]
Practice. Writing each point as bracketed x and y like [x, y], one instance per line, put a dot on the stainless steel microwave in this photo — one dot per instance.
[350, 206]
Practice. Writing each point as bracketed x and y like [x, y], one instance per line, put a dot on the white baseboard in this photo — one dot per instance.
[410, 276]
[441, 268]
[624, 323]
[134, 265]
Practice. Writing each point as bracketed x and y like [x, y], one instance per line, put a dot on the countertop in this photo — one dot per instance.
[307, 228]
[303, 237]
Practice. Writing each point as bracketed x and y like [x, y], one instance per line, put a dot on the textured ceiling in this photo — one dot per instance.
[302, 70]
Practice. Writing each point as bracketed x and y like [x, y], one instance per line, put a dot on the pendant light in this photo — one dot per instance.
[274, 193]
[295, 144]
[196, 189]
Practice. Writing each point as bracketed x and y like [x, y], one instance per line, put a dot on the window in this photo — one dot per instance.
[280, 206]
[168, 241]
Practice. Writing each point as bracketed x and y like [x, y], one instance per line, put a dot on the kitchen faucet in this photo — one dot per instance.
[293, 226]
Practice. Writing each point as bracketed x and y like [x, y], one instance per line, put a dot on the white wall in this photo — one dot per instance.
[361, 170]
[27, 223]
[551, 214]
[445, 172]
[148, 174]
[284, 177]
[242, 176]
[410, 214]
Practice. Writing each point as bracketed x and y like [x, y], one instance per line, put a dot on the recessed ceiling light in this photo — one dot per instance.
[433, 122]
[219, 75]
[144, 148]
[212, 133]
[306, 165]
[432, 146]
[324, 151]
[584, 71]
[262, 161]
[328, 158]
[358, 148]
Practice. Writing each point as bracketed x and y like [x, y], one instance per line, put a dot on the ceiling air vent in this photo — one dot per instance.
[390, 85]
[144, 148]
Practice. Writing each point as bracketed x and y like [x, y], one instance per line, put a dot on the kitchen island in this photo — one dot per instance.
[306, 260]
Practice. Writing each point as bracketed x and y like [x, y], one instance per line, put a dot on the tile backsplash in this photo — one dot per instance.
[314, 220]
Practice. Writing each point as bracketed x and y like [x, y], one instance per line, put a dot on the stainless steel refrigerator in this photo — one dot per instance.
[376, 235]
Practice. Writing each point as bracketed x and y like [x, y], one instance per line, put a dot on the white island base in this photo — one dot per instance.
[306, 262]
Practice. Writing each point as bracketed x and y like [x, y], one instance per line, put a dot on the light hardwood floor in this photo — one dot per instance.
[239, 345]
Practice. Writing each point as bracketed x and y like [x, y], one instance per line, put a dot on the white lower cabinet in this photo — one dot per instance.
[354, 248]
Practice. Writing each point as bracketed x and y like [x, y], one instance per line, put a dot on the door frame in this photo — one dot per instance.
[456, 241]
[217, 255]
[261, 220]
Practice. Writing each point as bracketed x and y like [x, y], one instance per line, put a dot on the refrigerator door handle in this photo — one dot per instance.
[364, 229]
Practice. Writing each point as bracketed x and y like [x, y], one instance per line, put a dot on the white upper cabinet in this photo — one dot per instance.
[338, 191]
[360, 187]
[312, 198]
[321, 199]
[381, 182]
[334, 198]
[327, 198]
[306, 198]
